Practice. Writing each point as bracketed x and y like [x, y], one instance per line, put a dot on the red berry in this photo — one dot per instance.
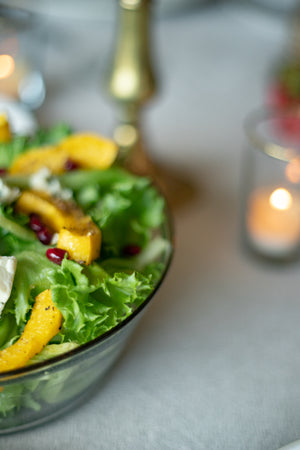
[131, 250]
[70, 165]
[35, 223]
[3, 171]
[44, 236]
[279, 97]
[56, 255]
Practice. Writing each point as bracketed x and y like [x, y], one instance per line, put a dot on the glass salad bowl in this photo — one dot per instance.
[37, 393]
[101, 300]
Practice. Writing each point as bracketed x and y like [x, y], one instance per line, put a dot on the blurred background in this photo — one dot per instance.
[58, 45]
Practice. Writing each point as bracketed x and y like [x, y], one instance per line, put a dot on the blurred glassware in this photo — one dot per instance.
[21, 120]
[21, 54]
[271, 184]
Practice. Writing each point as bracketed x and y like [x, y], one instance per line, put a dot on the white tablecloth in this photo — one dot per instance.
[215, 362]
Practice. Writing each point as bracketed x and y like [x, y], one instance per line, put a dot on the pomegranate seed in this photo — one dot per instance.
[70, 165]
[44, 236]
[3, 171]
[56, 255]
[35, 223]
[131, 250]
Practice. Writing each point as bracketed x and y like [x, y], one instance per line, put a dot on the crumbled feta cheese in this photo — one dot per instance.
[56, 190]
[41, 181]
[54, 239]
[7, 194]
[8, 266]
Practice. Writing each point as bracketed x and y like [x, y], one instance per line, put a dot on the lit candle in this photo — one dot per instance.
[273, 221]
[11, 73]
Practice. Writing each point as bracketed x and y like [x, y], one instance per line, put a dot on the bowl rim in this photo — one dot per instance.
[11, 376]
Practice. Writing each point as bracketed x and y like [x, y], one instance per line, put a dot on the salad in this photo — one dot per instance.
[79, 248]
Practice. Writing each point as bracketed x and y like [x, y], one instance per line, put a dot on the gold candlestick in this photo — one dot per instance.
[131, 83]
[131, 79]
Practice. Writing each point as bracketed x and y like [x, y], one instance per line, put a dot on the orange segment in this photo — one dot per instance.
[43, 324]
[90, 150]
[78, 234]
[5, 134]
[82, 242]
[54, 213]
[86, 150]
[31, 161]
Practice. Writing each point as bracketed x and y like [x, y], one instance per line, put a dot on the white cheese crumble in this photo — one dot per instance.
[8, 266]
[41, 181]
[54, 239]
[7, 194]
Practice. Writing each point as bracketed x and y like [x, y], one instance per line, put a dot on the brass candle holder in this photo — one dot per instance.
[131, 80]
[131, 83]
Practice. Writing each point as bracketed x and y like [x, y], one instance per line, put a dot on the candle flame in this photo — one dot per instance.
[7, 66]
[281, 199]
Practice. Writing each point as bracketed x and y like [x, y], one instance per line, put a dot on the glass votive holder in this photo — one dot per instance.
[22, 48]
[271, 182]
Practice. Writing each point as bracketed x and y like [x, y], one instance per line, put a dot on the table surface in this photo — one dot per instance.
[214, 364]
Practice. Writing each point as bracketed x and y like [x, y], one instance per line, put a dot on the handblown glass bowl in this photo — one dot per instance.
[45, 390]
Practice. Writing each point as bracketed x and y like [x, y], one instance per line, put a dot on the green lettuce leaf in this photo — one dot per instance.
[92, 301]
[52, 350]
[32, 277]
[125, 207]
[14, 235]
